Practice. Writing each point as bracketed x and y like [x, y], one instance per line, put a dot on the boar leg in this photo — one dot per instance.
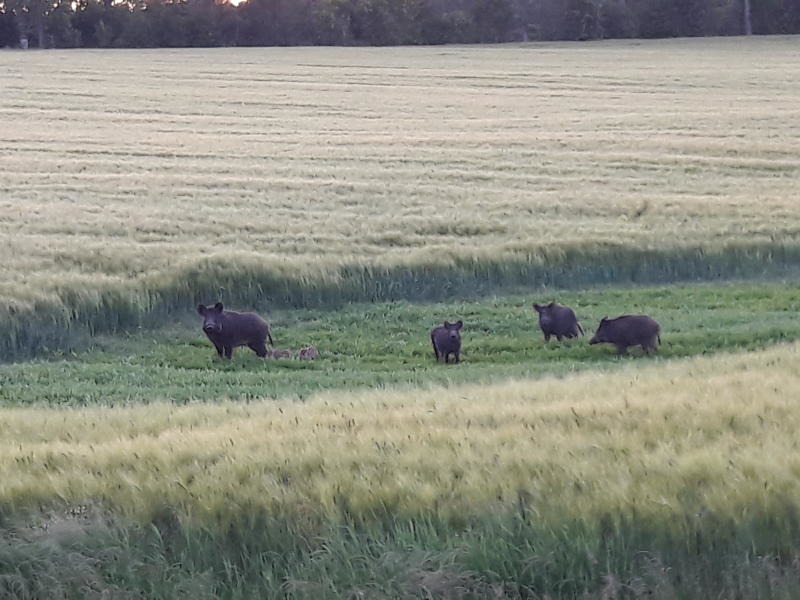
[260, 348]
[621, 349]
[435, 349]
[219, 349]
[228, 352]
[546, 337]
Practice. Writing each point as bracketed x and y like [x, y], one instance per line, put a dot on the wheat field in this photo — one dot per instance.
[659, 440]
[124, 166]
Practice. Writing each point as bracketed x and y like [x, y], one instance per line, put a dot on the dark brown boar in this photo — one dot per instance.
[558, 320]
[446, 340]
[228, 329]
[628, 330]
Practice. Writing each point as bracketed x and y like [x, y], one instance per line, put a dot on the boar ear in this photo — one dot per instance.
[536, 306]
[459, 324]
[552, 304]
[218, 307]
[201, 309]
[447, 324]
[604, 319]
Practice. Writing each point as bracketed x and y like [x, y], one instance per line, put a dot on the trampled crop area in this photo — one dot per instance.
[356, 197]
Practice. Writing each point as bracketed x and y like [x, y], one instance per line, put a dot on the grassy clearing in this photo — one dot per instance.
[308, 176]
[659, 478]
[388, 344]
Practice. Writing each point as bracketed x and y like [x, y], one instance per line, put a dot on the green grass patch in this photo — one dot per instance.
[388, 343]
[505, 556]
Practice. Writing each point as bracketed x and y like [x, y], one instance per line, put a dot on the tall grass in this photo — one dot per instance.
[657, 440]
[657, 481]
[74, 313]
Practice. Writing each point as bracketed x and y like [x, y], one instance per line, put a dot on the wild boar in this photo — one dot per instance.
[308, 353]
[628, 330]
[279, 353]
[446, 340]
[228, 329]
[558, 320]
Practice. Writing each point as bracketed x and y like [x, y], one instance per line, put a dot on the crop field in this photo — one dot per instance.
[356, 197]
[523, 487]
[133, 182]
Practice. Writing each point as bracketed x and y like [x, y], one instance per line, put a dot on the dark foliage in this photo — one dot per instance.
[189, 23]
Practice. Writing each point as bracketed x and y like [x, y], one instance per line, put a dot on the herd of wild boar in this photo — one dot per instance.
[228, 329]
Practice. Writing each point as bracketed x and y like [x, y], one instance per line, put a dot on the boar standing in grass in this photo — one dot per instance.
[279, 353]
[446, 340]
[557, 320]
[308, 353]
[628, 330]
[228, 329]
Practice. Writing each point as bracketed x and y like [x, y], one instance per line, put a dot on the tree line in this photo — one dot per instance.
[189, 23]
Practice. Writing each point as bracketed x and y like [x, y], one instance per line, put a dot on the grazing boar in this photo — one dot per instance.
[446, 340]
[279, 353]
[228, 329]
[628, 330]
[308, 353]
[558, 320]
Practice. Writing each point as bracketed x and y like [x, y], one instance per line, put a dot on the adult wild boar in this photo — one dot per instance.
[628, 330]
[228, 329]
[446, 340]
[558, 320]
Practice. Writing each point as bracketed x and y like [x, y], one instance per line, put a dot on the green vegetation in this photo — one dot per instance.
[659, 479]
[388, 344]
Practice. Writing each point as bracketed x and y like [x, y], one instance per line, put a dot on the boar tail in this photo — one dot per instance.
[269, 337]
[659, 338]
[579, 327]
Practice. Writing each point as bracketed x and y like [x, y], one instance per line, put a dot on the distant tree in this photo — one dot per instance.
[494, 20]
[152, 23]
[58, 25]
[747, 17]
[9, 31]
[776, 16]
[103, 35]
[31, 18]
[136, 31]
[581, 20]
[548, 20]
[616, 19]
[331, 22]
[86, 21]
